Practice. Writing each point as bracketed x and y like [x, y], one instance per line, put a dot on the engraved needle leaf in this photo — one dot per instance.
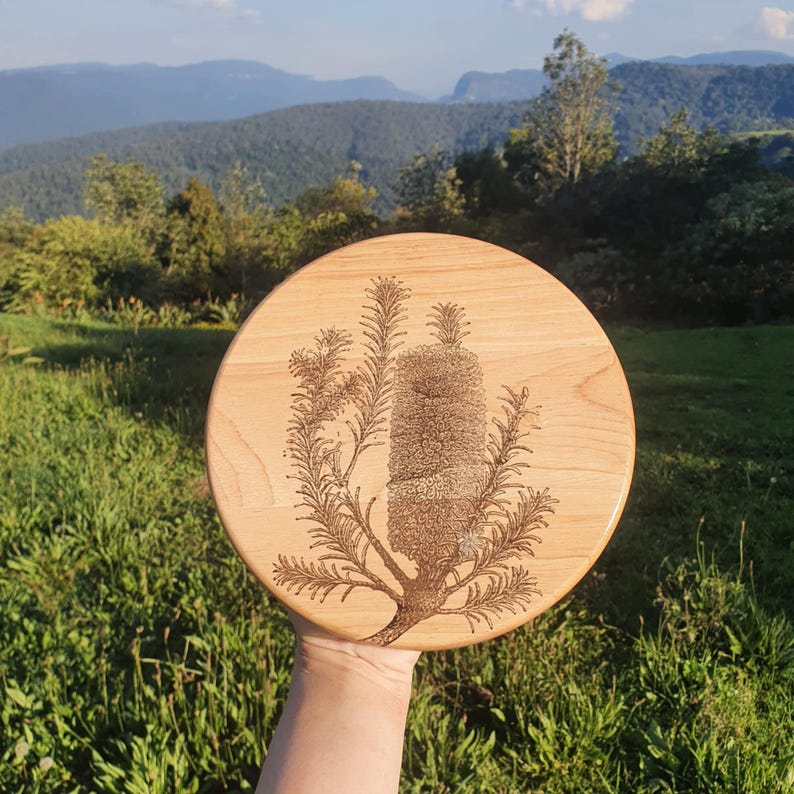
[447, 319]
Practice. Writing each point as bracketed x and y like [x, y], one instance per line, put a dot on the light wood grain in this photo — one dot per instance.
[525, 331]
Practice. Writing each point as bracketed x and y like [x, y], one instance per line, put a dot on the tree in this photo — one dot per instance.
[123, 193]
[750, 225]
[485, 183]
[337, 214]
[74, 259]
[736, 262]
[284, 239]
[128, 203]
[568, 133]
[245, 213]
[429, 189]
[15, 228]
[344, 194]
[194, 246]
[15, 231]
[679, 146]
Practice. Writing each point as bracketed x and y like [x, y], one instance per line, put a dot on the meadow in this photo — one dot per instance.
[138, 655]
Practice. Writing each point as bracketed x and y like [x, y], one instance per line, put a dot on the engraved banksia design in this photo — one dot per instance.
[437, 444]
[455, 508]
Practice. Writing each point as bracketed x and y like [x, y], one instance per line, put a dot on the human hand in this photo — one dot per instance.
[342, 726]
[316, 646]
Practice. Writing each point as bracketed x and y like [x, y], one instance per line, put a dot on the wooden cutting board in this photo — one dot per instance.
[420, 440]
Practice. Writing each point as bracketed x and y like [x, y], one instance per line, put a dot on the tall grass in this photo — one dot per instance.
[138, 655]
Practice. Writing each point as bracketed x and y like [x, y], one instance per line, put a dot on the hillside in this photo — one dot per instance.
[55, 101]
[52, 102]
[289, 149]
[730, 58]
[730, 98]
[294, 148]
[526, 83]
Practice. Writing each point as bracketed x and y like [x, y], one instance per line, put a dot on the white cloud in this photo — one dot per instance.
[591, 10]
[219, 5]
[224, 6]
[777, 23]
[598, 10]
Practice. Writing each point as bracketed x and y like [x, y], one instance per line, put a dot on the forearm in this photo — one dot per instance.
[343, 724]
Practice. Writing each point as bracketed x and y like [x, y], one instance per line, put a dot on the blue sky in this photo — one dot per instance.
[421, 45]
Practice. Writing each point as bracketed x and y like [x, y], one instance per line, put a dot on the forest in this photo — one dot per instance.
[289, 150]
[292, 149]
[697, 226]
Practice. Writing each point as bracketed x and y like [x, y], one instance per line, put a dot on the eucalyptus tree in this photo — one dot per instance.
[568, 132]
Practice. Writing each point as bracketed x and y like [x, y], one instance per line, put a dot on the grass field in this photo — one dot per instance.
[137, 655]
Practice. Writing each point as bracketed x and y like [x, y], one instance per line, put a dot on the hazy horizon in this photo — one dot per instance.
[418, 48]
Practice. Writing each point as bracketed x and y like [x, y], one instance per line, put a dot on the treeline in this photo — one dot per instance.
[695, 227]
[193, 247]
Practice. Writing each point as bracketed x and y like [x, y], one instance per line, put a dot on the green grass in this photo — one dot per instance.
[137, 654]
[715, 432]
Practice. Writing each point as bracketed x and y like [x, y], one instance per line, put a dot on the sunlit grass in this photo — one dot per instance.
[138, 655]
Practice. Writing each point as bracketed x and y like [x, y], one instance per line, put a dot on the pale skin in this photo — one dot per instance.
[342, 728]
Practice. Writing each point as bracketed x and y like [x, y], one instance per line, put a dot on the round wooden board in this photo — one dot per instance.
[420, 440]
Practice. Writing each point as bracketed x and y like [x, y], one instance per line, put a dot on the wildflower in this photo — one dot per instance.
[46, 763]
[22, 749]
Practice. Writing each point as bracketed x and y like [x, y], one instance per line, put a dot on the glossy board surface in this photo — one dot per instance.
[421, 440]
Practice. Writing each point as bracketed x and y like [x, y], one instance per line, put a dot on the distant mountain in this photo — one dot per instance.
[497, 87]
[293, 148]
[730, 98]
[732, 58]
[50, 102]
[528, 83]
[289, 150]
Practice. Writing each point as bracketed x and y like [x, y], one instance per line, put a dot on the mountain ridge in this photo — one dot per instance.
[50, 102]
[294, 148]
[514, 84]
[47, 103]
